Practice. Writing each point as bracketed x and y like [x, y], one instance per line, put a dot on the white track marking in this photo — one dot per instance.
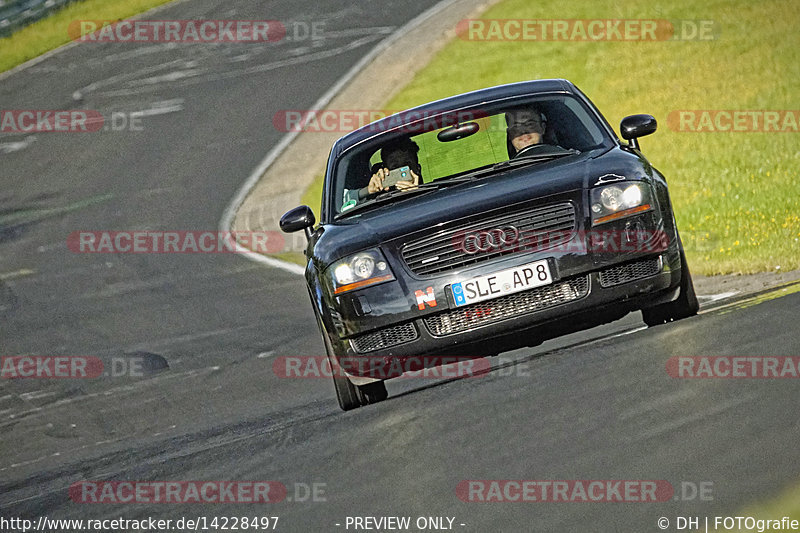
[136, 88]
[35, 412]
[175, 75]
[35, 395]
[17, 274]
[160, 108]
[94, 86]
[715, 297]
[702, 414]
[51, 53]
[7, 148]
[230, 212]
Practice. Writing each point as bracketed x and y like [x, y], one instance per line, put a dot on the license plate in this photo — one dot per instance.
[501, 283]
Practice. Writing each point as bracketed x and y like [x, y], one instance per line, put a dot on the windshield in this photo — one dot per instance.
[459, 146]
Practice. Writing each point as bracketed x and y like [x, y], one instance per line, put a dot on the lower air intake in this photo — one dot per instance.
[520, 303]
[384, 338]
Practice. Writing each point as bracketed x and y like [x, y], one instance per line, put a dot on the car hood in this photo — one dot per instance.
[468, 200]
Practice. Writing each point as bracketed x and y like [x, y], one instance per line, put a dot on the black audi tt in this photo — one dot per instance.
[485, 222]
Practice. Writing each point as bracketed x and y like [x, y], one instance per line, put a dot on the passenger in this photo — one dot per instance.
[395, 154]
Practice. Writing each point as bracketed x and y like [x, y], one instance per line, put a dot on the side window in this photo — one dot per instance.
[587, 136]
[376, 158]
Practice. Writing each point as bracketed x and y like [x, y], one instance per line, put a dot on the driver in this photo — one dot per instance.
[526, 128]
[395, 154]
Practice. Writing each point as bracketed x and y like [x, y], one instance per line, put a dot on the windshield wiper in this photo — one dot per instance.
[469, 176]
[531, 159]
[520, 161]
[387, 196]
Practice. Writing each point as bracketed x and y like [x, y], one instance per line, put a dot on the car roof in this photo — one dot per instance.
[453, 103]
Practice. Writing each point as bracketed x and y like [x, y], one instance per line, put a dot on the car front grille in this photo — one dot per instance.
[538, 228]
[630, 272]
[384, 338]
[511, 305]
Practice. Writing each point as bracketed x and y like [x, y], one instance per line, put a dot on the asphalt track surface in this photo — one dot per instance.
[599, 405]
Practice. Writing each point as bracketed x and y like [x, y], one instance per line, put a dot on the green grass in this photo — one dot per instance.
[51, 32]
[736, 195]
[313, 198]
[313, 195]
[785, 504]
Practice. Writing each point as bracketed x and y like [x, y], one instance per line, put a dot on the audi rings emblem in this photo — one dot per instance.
[489, 240]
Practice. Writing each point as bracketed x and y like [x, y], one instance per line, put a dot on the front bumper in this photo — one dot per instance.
[523, 318]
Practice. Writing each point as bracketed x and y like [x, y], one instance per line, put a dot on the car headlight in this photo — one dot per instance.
[359, 270]
[612, 202]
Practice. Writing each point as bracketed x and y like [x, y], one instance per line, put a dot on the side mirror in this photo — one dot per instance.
[634, 126]
[299, 218]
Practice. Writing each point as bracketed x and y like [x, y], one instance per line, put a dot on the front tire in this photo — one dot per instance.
[684, 306]
[348, 395]
[373, 392]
